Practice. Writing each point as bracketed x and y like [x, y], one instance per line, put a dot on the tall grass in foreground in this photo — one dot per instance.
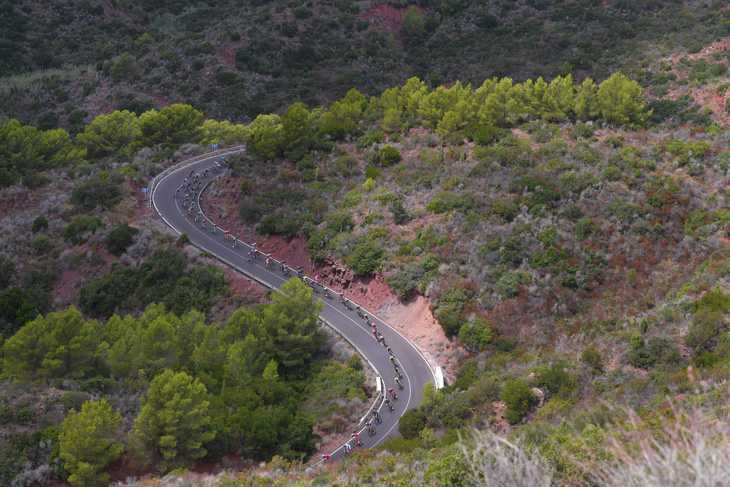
[23, 82]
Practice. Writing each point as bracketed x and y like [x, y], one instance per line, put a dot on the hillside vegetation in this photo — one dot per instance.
[570, 236]
[234, 61]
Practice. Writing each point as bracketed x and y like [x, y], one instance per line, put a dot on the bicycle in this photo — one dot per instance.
[377, 420]
[371, 431]
[268, 264]
[326, 293]
[390, 407]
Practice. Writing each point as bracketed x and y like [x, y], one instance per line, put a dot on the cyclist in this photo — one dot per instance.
[316, 278]
[389, 405]
[347, 449]
[367, 319]
[392, 393]
[376, 416]
[205, 173]
[191, 173]
[390, 351]
[197, 217]
[248, 257]
[375, 334]
[234, 242]
[326, 292]
[304, 279]
[392, 360]
[397, 370]
[397, 381]
[300, 272]
[357, 310]
[375, 327]
[176, 193]
[190, 211]
[215, 228]
[357, 438]
[268, 262]
[255, 252]
[342, 297]
[228, 232]
[202, 225]
[282, 265]
[326, 458]
[381, 339]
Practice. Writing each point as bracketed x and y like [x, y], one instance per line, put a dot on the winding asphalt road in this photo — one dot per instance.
[414, 369]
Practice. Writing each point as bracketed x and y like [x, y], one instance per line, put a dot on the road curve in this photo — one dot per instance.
[414, 368]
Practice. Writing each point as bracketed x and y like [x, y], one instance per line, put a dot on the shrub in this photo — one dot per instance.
[346, 165]
[413, 274]
[585, 228]
[389, 155]
[97, 192]
[6, 414]
[400, 215]
[74, 400]
[372, 173]
[120, 238]
[366, 258]
[477, 335]
[592, 358]
[40, 223]
[77, 232]
[102, 297]
[354, 362]
[411, 423]
[42, 243]
[519, 399]
[506, 210]
[25, 416]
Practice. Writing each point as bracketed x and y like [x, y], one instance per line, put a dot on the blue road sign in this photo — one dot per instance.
[144, 190]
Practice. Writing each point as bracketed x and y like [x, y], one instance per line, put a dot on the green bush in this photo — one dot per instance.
[592, 358]
[74, 400]
[120, 238]
[519, 399]
[77, 231]
[400, 215]
[98, 192]
[585, 228]
[477, 335]
[40, 223]
[366, 258]
[101, 298]
[411, 423]
[412, 276]
[42, 243]
[6, 415]
[25, 416]
[389, 155]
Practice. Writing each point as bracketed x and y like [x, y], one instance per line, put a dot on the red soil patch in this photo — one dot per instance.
[388, 17]
[157, 98]
[227, 58]
[65, 287]
[237, 284]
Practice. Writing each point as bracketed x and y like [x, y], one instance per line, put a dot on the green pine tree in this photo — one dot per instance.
[174, 422]
[84, 442]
